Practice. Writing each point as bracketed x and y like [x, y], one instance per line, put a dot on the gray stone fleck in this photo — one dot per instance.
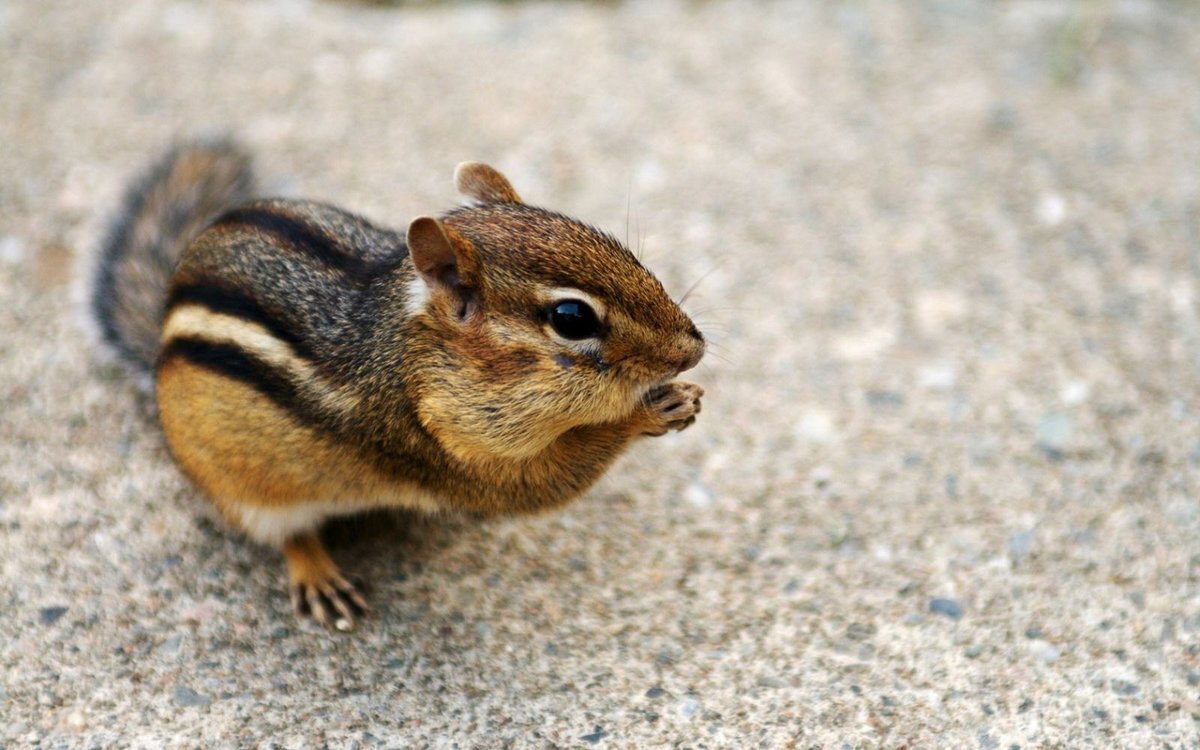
[1003, 118]
[857, 631]
[1125, 687]
[1054, 434]
[1020, 544]
[947, 608]
[885, 398]
[185, 696]
[171, 645]
[974, 651]
[597, 734]
[654, 692]
[51, 615]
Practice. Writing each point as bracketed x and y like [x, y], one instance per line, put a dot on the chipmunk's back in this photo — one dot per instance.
[298, 269]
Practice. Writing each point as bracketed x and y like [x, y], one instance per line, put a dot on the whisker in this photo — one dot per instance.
[698, 281]
[711, 326]
[719, 356]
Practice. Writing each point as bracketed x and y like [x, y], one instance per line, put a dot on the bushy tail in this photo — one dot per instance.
[160, 215]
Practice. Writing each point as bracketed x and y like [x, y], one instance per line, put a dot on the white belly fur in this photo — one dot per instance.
[275, 525]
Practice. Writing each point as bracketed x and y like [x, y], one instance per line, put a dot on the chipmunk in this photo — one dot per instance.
[308, 364]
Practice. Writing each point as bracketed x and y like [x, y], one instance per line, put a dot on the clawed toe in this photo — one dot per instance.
[318, 588]
[673, 406]
[335, 603]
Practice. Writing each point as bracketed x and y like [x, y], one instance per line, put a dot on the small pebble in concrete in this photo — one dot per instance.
[947, 608]
[1003, 118]
[1044, 651]
[1125, 687]
[699, 495]
[1075, 392]
[1020, 544]
[12, 250]
[974, 651]
[171, 645]
[1054, 434]
[821, 476]
[1051, 209]
[654, 692]
[939, 376]
[858, 631]
[885, 398]
[816, 426]
[597, 734]
[51, 615]
[689, 707]
[187, 697]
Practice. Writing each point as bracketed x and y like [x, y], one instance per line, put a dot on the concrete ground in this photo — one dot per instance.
[944, 489]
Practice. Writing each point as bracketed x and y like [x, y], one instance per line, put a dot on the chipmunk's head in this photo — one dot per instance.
[556, 320]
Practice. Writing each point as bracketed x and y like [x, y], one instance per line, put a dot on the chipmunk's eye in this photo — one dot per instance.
[573, 319]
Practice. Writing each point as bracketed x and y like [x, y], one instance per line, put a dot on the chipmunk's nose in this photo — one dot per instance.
[695, 352]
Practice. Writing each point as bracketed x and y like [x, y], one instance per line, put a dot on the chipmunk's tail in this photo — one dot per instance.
[160, 215]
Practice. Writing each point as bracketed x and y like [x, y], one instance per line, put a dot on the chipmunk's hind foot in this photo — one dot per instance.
[318, 588]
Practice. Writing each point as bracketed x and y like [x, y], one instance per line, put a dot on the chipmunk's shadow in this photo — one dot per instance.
[390, 544]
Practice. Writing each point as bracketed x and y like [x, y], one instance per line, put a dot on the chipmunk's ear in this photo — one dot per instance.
[442, 257]
[484, 184]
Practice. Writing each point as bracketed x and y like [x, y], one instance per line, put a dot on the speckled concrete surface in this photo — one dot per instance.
[944, 490]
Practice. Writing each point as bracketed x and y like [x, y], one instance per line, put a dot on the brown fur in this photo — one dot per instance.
[299, 376]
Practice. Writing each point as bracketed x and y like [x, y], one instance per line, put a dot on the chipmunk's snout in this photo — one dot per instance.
[692, 357]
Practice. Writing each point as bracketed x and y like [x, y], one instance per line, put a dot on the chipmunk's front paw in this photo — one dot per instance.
[673, 406]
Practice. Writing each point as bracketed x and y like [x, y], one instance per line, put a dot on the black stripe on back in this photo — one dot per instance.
[300, 235]
[235, 363]
[219, 299]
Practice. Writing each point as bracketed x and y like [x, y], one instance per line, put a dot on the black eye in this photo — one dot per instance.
[573, 319]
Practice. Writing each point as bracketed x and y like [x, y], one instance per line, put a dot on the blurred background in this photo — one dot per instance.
[944, 488]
